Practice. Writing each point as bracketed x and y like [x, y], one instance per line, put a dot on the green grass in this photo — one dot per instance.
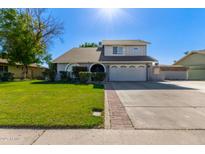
[50, 105]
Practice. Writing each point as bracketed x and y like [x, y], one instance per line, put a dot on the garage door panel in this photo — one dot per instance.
[127, 73]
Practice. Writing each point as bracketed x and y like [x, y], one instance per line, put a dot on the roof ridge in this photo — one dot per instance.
[197, 51]
[84, 47]
[123, 40]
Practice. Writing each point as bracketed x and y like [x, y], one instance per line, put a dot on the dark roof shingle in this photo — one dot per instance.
[79, 55]
[127, 58]
[124, 42]
[94, 55]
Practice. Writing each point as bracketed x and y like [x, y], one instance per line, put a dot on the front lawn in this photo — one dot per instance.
[44, 105]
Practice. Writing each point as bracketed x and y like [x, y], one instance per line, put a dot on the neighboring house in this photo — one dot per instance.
[121, 60]
[168, 72]
[34, 71]
[195, 62]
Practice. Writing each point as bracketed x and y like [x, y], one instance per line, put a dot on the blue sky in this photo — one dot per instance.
[170, 31]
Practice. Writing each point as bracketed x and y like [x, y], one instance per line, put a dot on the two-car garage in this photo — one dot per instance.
[127, 73]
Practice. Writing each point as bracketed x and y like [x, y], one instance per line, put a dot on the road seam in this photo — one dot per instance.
[34, 141]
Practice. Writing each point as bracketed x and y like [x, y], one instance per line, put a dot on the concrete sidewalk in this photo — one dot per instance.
[101, 136]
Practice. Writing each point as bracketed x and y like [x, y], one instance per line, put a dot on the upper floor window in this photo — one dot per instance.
[117, 50]
[135, 51]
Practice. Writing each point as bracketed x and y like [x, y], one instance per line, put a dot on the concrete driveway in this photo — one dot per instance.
[162, 106]
[198, 85]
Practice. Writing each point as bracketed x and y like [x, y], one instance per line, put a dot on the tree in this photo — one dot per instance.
[88, 45]
[51, 72]
[25, 35]
[186, 53]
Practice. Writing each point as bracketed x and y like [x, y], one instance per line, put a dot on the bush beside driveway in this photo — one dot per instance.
[38, 104]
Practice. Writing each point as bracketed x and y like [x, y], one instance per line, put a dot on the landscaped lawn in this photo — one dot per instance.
[40, 104]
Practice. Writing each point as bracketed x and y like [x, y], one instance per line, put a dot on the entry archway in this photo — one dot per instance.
[97, 68]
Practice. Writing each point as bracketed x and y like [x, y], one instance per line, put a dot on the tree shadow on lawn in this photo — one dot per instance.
[95, 85]
[1, 82]
[94, 126]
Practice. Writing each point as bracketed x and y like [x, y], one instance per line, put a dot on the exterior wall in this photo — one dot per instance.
[154, 74]
[37, 73]
[159, 75]
[32, 71]
[127, 51]
[196, 74]
[174, 75]
[61, 67]
[17, 70]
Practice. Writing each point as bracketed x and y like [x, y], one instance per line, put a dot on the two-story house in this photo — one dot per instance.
[121, 60]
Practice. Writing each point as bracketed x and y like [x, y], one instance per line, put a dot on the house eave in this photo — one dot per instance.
[126, 62]
[107, 62]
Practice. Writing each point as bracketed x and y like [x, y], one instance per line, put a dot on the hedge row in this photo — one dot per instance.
[94, 76]
[83, 76]
[6, 76]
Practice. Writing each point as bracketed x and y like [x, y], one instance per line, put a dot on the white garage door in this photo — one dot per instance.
[127, 73]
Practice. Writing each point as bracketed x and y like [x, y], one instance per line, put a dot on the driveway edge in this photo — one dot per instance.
[107, 112]
[118, 116]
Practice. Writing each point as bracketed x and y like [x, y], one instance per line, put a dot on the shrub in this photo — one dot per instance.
[98, 76]
[84, 77]
[50, 73]
[0, 76]
[40, 78]
[77, 69]
[64, 76]
[7, 76]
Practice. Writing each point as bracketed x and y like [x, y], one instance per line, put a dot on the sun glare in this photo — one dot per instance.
[109, 13]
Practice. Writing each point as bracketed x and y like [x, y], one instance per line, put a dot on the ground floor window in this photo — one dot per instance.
[3, 68]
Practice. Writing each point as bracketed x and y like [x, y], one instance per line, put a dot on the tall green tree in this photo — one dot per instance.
[88, 45]
[25, 35]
